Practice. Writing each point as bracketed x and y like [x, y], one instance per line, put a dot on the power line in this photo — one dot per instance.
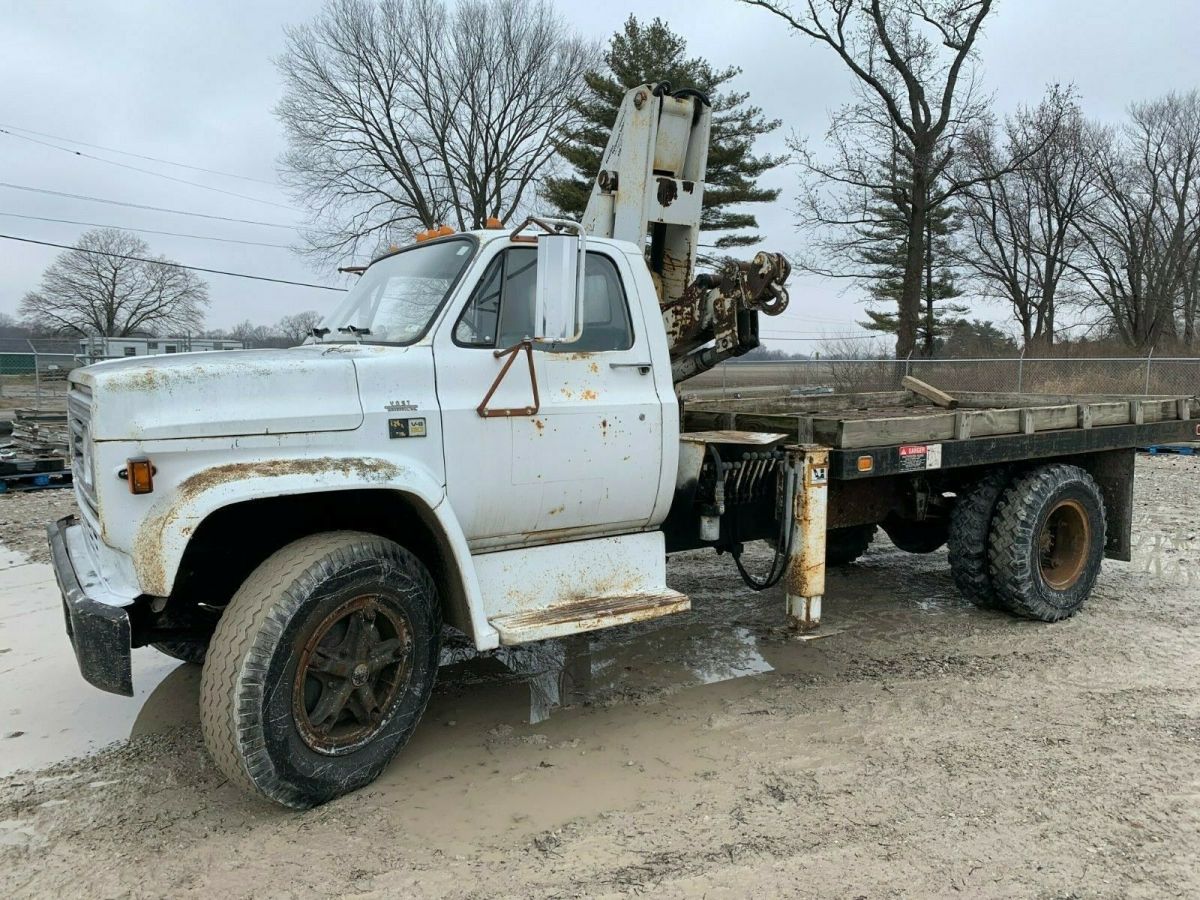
[157, 159]
[113, 162]
[177, 212]
[199, 237]
[163, 262]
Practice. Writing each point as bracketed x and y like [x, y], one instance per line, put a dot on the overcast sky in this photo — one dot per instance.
[195, 83]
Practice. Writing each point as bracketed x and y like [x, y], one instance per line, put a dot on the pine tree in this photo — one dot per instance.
[642, 54]
[885, 248]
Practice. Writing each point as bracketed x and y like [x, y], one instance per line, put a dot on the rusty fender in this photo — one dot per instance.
[161, 539]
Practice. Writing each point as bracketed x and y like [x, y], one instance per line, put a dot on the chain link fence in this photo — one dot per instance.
[1178, 376]
[33, 374]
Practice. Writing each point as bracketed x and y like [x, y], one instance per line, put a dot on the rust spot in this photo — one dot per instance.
[148, 556]
[604, 426]
[668, 191]
[589, 395]
[593, 368]
[586, 613]
[376, 470]
[539, 424]
[555, 511]
[567, 392]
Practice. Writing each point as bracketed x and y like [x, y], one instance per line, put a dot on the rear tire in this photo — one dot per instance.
[844, 545]
[1047, 542]
[320, 667]
[970, 529]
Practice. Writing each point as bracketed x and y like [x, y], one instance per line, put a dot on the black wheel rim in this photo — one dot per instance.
[352, 669]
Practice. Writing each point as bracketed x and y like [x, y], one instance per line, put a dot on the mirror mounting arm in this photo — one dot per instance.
[511, 353]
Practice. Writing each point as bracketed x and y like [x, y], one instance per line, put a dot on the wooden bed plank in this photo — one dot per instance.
[929, 392]
[854, 433]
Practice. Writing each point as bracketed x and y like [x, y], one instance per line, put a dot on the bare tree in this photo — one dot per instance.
[909, 58]
[1021, 227]
[1143, 237]
[110, 285]
[406, 114]
[296, 327]
[249, 334]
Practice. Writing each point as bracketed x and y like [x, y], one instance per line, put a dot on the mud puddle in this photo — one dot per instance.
[47, 711]
[50, 713]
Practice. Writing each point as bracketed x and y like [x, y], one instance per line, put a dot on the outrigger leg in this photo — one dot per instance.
[805, 579]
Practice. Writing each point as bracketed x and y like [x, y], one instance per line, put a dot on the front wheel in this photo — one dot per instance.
[320, 667]
[1046, 542]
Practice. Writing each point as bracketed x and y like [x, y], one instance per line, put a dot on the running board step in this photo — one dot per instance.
[587, 614]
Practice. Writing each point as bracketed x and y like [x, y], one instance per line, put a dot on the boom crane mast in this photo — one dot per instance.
[650, 191]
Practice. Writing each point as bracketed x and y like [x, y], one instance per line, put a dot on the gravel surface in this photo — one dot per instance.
[24, 516]
[920, 748]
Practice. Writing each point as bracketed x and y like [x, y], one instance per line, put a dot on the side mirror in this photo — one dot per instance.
[558, 295]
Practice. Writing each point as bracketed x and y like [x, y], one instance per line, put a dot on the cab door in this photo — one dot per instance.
[589, 461]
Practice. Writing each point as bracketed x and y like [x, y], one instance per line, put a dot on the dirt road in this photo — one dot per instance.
[920, 748]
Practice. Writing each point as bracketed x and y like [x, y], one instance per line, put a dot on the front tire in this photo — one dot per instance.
[320, 667]
[1047, 542]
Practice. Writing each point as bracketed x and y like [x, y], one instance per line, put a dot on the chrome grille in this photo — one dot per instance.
[79, 418]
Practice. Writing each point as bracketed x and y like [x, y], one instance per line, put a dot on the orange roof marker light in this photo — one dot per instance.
[440, 231]
[493, 222]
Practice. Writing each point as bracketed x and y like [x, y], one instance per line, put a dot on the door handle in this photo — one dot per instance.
[643, 368]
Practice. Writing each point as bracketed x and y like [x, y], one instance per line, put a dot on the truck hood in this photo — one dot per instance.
[223, 394]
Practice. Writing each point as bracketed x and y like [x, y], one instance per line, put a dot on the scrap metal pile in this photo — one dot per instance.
[33, 451]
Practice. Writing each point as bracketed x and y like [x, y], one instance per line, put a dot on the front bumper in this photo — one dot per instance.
[100, 632]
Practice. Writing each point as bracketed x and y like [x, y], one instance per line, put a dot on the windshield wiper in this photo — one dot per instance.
[318, 332]
[357, 332]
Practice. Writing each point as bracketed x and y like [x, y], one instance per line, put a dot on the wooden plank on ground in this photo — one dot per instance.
[929, 392]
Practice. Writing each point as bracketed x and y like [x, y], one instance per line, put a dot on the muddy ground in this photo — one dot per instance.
[920, 748]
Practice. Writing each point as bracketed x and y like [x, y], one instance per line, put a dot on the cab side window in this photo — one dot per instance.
[500, 311]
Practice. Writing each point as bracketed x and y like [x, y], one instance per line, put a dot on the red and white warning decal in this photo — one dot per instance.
[918, 457]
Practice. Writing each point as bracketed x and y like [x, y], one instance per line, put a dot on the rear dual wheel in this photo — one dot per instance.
[320, 667]
[1046, 543]
[1032, 545]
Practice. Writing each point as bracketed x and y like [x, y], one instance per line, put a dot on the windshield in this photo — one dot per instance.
[397, 297]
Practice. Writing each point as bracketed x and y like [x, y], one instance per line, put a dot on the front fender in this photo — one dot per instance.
[160, 541]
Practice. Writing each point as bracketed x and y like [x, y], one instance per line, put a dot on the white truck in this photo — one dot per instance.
[486, 435]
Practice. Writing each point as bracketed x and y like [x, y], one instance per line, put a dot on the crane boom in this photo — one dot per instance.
[650, 191]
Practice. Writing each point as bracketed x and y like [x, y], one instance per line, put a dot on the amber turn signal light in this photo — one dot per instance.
[140, 474]
[866, 463]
